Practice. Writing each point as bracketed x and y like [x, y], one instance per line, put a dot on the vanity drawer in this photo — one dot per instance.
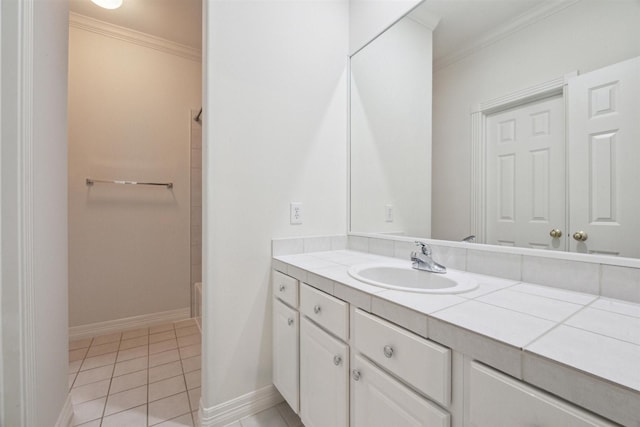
[421, 363]
[286, 288]
[327, 311]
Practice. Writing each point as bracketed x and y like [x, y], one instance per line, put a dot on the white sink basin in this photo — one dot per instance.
[404, 278]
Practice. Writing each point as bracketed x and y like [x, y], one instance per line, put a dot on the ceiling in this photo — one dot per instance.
[177, 20]
[464, 22]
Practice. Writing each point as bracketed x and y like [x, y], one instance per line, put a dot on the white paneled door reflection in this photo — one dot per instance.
[525, 175]
[604, 148]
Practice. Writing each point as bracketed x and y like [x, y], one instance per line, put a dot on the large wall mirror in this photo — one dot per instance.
[517, 121]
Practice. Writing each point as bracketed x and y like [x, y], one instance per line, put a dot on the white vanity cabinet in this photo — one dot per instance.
[286, 332]
[381, 401]
[324, 378]
[422, 364]
[498, 400]
[286, 329]
[324, 359]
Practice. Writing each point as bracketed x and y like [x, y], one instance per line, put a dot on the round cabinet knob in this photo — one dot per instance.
[282, 288]
[337, 360]
[555, 233]
[580, 236]
[356, 375]
[316, 309]
[388, 351]
[290, 321]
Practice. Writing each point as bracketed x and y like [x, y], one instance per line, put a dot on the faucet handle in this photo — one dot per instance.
[426, 249]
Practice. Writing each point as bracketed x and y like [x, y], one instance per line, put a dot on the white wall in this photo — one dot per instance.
[34, 212]
[391, 132]
[129, 119]
[583, 37]
[367, 18]
[274, 132]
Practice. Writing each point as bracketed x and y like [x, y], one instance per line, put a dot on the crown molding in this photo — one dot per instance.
[430, 21]
[117, 32]
[537, 14]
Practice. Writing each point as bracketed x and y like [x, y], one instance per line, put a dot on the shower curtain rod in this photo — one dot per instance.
[91, 181]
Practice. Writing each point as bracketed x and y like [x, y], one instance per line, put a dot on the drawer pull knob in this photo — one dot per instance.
[337, 360]
[356, 375]
[290, 321]
[282, 288]
[388, 351]
[316, 309]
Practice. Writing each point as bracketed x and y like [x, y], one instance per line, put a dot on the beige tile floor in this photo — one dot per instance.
[143, 377]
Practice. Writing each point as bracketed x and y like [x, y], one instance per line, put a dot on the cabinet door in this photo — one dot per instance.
[285, 352]
[498, 400]
[381, 401]
[324, 378]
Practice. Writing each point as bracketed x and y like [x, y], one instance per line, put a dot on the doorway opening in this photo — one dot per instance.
[135, 211]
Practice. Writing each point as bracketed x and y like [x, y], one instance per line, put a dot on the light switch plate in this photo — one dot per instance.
[296, 213]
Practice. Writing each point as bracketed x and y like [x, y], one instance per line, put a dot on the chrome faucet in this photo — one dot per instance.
[422, 260]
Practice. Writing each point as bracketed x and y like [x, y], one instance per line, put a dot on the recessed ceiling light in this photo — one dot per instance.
[108, 4]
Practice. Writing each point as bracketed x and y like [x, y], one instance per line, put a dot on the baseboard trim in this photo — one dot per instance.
[135, 322]
[240, 407]
[65, 419]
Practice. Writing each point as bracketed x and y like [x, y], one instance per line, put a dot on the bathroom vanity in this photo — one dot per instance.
[346, 353]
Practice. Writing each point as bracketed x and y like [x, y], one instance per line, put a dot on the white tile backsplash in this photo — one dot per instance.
[381, 247]
[402, 249]
[497, 264]
[572, 275]
[287, 246]
[620, 283]
[338, 243]
[358, 243]
[317, 244]
[454, 258]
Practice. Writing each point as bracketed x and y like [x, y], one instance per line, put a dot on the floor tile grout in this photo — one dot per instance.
[178, 350]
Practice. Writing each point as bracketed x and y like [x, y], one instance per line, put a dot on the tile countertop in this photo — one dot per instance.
[514, 326]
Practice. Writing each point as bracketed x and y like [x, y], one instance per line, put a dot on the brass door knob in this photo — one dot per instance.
[580, 236]
[555, 233]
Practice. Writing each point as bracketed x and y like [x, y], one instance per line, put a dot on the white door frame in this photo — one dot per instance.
[18, 268]
[479, 113]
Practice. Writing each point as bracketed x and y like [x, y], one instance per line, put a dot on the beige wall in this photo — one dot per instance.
[129, 119]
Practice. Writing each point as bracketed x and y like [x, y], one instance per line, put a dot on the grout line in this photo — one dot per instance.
[148, 368]
[557, 325]
[106, 399]
[146, 422]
